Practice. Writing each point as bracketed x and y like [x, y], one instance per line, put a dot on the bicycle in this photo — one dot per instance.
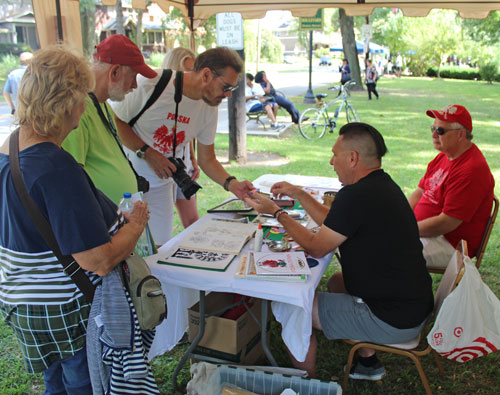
[313, 121]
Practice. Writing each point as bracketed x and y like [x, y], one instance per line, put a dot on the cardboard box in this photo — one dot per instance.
[237, 341]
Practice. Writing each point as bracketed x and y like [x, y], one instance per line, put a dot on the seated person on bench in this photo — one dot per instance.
[257, 102]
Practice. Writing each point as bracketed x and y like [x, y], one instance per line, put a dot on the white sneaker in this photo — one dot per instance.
[276, 125]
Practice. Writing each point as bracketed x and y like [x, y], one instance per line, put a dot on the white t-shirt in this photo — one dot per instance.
[196, 119]
[255, 90]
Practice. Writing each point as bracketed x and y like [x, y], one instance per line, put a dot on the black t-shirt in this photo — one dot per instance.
[382, 259]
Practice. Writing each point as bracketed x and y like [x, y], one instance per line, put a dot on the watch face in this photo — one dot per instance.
[140, 154]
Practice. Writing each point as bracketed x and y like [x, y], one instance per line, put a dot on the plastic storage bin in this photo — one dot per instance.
[268, 383]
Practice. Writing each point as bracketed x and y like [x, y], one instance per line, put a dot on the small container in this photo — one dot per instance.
[259, 236]
[328, 198]
[279, 246]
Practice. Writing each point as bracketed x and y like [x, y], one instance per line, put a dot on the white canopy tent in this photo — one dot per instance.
[56, 18]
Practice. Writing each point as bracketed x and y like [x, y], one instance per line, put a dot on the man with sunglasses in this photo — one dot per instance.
[453, 200]
[150, 142]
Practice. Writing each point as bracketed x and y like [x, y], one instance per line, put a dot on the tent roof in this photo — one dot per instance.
[249, 9]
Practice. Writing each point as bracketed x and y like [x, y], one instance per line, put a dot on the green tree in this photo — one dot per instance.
[177, 26]
[486, 30]
[349, 45]
[87, 18]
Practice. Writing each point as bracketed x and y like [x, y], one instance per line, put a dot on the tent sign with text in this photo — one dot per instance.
[230, 30]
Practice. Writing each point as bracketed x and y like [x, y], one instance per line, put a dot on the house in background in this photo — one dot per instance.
[153, 29]
[18, 27]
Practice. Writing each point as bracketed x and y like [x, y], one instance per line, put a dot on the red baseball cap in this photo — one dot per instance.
[119, 49]
[453, 113]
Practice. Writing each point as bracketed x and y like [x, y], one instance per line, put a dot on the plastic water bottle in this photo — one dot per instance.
[126, 204]
[144, 246]
[259, 235]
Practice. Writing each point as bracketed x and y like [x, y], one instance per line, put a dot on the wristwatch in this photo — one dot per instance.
[141, 152]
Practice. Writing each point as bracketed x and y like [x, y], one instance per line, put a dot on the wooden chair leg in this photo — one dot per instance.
[421, 372]
[348, 367]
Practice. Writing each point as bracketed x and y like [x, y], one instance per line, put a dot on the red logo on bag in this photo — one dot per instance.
[458, 331]
[437, 339]
[479, 347]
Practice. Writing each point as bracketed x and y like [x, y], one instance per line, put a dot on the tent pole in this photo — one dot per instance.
[59, 21]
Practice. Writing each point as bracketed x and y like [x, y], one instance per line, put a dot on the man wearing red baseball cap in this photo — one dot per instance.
[117, 61]
[453, 200]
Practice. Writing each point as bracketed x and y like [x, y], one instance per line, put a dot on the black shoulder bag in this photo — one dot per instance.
[70, 266]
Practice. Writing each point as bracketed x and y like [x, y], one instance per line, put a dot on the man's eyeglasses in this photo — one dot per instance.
[440, 130]
[226, 87]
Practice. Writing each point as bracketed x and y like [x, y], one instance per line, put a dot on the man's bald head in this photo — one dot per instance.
[25, 58]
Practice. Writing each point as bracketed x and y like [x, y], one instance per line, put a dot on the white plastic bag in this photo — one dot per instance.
[468, 324]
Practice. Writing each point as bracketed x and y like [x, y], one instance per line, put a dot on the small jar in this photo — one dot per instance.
[328, 198]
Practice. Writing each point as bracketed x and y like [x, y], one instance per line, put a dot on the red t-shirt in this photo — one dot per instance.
[461, 188]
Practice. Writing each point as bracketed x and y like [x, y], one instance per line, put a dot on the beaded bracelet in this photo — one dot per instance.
[277, 211]
[280, 213]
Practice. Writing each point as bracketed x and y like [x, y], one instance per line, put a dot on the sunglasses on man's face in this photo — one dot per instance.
[441, 131]
[226, 87]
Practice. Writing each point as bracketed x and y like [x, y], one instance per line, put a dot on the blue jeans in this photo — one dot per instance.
[68, 376]
[288, 106]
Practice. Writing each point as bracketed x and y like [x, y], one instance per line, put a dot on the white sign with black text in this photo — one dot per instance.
[230, 30]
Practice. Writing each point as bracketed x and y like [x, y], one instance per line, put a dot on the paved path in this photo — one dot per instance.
[291, 83]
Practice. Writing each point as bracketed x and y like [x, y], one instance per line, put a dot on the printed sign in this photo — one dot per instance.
[230, 30]
[314, 23]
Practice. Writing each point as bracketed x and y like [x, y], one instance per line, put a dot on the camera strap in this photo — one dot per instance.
[107, 121]
[179, 76]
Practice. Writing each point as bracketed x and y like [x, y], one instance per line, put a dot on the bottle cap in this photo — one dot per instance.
[127, 195]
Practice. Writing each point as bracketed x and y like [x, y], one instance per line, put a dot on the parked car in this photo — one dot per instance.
[325, 61]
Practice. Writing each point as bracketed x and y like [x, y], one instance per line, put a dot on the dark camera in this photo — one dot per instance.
[183, 180]
[142, 184]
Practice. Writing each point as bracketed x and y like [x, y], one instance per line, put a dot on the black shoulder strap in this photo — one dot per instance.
[159, 88]
[179, 77]
[70, 266]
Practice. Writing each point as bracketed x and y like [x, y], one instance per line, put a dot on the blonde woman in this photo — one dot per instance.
[44, 307]
[183, 59]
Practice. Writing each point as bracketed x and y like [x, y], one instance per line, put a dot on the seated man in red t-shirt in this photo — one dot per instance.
[453, 200]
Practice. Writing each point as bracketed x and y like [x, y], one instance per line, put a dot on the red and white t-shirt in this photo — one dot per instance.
[461, 188]
[196, 120]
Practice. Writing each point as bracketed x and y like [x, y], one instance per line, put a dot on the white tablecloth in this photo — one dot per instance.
[291, 302]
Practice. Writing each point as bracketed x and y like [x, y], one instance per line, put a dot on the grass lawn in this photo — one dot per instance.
[400, 116]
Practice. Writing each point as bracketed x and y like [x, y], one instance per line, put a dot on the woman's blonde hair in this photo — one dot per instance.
[175, 58]
[56, 80]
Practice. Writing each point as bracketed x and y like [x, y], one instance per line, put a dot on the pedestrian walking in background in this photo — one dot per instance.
[371, 77]
[13, 79]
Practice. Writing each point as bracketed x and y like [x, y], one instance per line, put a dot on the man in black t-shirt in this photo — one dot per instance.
[384, 293]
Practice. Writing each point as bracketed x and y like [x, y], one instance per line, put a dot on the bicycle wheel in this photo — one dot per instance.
[351, 114]
[313, 123]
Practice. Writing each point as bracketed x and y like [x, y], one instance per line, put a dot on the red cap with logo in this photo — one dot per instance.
[453, 113]
[119, 49]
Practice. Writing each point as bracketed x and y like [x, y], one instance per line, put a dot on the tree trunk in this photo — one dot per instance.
[138, 26]
[349, 45]
[237, 120]
[119, 17]
[87, 17]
